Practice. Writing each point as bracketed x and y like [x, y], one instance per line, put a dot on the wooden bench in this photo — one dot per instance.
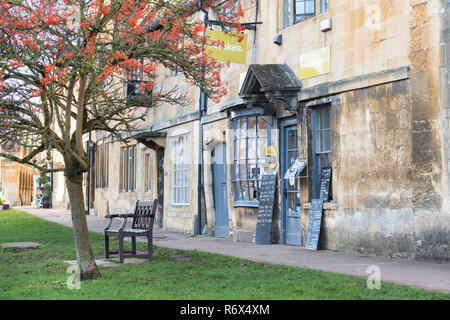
[142, 226]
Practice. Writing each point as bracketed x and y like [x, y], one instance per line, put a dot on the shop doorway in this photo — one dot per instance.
[219, 167]
[290, 189]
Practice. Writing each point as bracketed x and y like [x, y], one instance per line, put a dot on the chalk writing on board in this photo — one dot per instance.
[265, 212]
[315, 221]
[325, 182]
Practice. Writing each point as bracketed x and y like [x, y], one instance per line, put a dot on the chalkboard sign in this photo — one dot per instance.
[325, 182]
[315, 221]
[265, 212]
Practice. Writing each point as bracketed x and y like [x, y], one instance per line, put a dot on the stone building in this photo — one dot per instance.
[16, 180]
[361, 87]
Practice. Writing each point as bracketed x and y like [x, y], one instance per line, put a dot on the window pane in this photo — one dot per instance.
[262, 146]
[292, 139]
[242, 149]
[134, 167]
[180, 170]
[251, 126]
[244, 126]
[262, 126]
[244, 190]
[107, 165]
[252, 148]
[242, 171]
[237, 190]
[323, 6]
[310, 7]
[327, 140]
[318, 141]
[304, 9]
[300, 7]
[286, 13]
[326, 118]
[251, 143]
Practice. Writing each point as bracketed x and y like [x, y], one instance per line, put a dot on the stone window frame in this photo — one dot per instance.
[241, 185]
[290, 8]
[180, 170]
[127, 174]
[323, 130]
[323, 6]
[102, 164]
[147, 172]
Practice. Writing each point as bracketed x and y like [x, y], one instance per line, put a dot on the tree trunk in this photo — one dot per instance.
[85, 257]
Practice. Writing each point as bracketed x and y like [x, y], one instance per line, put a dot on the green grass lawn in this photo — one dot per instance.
[174, 274]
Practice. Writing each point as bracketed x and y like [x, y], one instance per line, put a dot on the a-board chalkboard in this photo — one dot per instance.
[265, 212]
[315, 221]
[325, 182]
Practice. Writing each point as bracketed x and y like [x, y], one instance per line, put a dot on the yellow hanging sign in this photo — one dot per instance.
[271, 157]
[226, 47]
[315, 63]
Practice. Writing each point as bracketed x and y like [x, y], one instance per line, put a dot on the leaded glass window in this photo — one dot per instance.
[180, 170]
[251, 137]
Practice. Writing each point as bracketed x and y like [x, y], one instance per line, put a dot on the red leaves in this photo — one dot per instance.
[132, 22]
[105, 10]
[37, 92]
[49, 67]
[2, 83]
[119, 56]
[15, 63]
[68, 55]
[177, 37]
[150, 68]
[198, 29]
[44, 81]
[53, 19]
[146, 86]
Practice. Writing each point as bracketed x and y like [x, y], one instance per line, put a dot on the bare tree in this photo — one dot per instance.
[64, 65]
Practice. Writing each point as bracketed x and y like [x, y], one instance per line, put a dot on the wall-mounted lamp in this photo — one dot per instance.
[278, 40]
[325, 25]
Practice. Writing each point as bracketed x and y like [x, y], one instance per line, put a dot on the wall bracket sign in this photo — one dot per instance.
[295, 169]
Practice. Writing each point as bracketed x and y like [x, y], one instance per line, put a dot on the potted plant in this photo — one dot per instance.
[46, 190]
[3, 204]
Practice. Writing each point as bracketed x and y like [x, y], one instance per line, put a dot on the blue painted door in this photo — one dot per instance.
[290, 189]
[220, 192]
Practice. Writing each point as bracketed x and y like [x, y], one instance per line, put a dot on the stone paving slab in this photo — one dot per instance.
[100, 262]
[21, 245]
[111, 262]
[425, 275]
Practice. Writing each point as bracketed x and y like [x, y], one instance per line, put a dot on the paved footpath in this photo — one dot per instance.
[430, 276]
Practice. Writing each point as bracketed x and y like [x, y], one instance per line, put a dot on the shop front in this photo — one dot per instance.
[264, 140]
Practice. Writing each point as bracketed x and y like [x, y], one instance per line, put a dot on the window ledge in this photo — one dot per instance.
[180, 205]
[326, 205]
[128, 192]
[241, 203]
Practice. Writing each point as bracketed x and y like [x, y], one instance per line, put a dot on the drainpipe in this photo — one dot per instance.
[254, 34]
[51, 184]
[201, 108]
[88, 178]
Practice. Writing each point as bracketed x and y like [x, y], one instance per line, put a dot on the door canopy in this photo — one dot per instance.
[267, 83]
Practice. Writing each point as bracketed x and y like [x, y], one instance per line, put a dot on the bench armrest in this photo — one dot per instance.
[124, 215]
